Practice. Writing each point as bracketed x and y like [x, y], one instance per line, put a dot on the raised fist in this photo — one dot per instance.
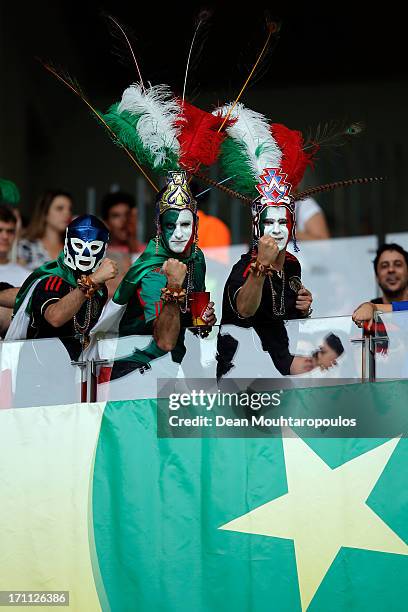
[268, 250]
[175, 271]
[106, 271]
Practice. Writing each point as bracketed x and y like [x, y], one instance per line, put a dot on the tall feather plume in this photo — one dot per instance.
[273, 27]
[74, 86]
[235, 158]
[196, 44]
[249, 148]
[158, 124]
[332, 134]
[262, 65]
[124, 37]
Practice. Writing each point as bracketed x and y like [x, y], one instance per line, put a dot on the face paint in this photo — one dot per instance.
[177, 229]
[274, 222]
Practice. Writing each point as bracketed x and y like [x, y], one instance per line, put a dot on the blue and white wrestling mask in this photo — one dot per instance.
[85, 245]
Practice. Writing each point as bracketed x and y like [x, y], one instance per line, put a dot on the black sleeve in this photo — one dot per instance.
[48, 291]
[235, 281]
[275, 341]
[4, 286]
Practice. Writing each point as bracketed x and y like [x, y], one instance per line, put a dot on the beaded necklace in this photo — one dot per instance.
[190, 274]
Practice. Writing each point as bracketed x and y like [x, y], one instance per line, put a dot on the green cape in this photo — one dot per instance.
[149, 260]
[56, 267]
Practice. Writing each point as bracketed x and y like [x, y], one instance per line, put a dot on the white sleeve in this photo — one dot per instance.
[305, 209]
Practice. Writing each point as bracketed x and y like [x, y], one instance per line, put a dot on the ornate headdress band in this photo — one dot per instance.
[177, 194]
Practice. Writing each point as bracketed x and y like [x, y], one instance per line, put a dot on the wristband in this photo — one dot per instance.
[258, 269]
[175, 295]
[87, 286]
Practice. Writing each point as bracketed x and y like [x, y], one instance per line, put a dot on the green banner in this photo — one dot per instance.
[248, 524]
[94, 504]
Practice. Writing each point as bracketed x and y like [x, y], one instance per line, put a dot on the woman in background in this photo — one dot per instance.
[44, 237]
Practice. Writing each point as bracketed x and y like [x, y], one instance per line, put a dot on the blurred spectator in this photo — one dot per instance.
[311, 222]
[44, 238]
[391, 270]
[212, 231]
[327, 354]
[10, 196]
[10, 273]
[119, 213]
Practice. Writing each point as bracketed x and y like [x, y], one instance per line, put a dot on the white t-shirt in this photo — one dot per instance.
[13, 274]
[304, 210]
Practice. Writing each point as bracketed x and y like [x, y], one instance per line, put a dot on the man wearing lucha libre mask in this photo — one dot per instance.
[64, 298]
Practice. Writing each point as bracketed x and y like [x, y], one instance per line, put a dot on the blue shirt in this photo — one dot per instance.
[399, 305]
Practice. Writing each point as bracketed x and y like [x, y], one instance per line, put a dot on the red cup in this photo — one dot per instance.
[198, 305]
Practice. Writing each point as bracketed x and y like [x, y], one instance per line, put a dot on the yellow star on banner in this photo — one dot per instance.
[325, 509]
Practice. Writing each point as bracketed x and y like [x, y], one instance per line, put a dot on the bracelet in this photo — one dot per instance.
[176, 295]
[258, 269]
[87, 286]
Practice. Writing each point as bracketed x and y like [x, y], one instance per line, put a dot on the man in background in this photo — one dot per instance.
[119, 213]
[311, 222]
[391, 270]
[11, 274]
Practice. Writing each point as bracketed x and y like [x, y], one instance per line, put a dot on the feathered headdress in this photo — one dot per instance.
[159, 132]
[164, 133]
[266, 161]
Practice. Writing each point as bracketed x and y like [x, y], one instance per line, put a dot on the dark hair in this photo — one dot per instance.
[7, 215]
[36, 227]
[117, 197]
[335, 344]
[389, 247]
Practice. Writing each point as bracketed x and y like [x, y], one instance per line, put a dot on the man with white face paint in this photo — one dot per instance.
[264, 164]
[153, 298]
[264, 287]
[274, 223]
[177, 228]
[65, 297]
